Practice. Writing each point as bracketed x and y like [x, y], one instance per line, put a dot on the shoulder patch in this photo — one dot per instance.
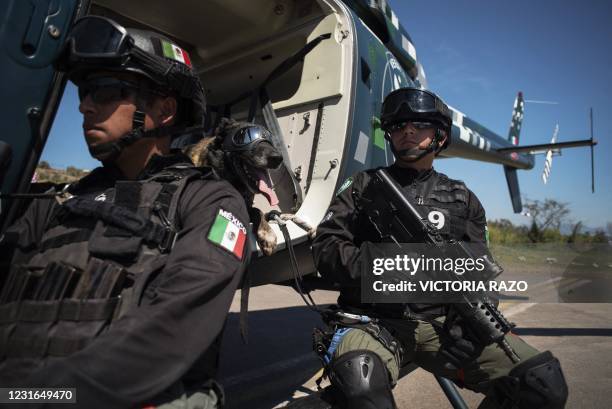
[228, 233]
[345, 185]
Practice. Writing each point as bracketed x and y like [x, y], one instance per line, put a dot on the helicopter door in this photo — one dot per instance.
[31, 35]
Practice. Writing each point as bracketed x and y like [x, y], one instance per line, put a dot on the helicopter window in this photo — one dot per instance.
[235, 45]
[65, 157]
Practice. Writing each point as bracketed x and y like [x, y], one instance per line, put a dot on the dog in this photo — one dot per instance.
[243, 153]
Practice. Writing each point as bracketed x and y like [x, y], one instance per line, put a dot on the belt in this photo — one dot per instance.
[410, 311]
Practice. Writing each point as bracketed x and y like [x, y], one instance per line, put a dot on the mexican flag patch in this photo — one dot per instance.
[228, 232]
[174, 52]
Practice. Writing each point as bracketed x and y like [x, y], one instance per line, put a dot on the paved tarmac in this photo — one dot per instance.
[278, 363]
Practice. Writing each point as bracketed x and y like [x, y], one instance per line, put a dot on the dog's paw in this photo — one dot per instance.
[266, 238]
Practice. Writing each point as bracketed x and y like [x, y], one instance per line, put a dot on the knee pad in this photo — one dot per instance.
[537, 382]
[360, 380]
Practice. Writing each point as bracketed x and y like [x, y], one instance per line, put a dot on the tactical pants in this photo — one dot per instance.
[420, 343]
[200, 399]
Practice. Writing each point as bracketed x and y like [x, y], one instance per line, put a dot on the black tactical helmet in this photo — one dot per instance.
[100, 44]
[414, 104]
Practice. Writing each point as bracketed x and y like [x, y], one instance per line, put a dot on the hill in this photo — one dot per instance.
[45, 173]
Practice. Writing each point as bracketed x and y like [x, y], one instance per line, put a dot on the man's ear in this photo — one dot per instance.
[167, 110]
[442, 141]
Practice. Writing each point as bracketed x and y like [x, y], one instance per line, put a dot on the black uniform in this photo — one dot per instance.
[165, 326]
[405, 333]
[346, 226]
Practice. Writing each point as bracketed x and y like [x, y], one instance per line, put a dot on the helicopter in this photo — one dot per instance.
[315, 72]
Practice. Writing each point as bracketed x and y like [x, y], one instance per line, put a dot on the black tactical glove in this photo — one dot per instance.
[458, 347]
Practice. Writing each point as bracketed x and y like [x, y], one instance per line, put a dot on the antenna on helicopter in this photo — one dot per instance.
[592, 155]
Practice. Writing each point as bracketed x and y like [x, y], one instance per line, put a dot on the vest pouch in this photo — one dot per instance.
[446, 208]
[8, 321]
[109, 242]
[55, 328]
[15, 363]
[26, 321]
[34, 332]
[79, 322]
[34, 321]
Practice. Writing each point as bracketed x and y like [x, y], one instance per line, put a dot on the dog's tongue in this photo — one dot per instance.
[264, 185]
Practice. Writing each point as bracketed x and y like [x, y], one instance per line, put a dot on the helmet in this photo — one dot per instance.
[97, 43]
[414, 104]
[239, 142]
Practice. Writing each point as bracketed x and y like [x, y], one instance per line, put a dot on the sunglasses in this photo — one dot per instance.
[105, 90]
[416, 125]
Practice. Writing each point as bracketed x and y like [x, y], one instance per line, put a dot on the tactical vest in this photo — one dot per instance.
[95, 261]
[441, 200]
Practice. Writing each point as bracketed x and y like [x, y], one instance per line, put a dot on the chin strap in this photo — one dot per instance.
[108, 152]
[416, 153]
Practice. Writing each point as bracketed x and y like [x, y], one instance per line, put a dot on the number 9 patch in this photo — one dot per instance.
[440, 219]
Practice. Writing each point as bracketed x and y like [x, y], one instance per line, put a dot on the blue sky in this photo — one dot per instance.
[477, 55]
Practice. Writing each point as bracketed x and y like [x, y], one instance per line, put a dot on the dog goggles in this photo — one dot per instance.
[246, 137]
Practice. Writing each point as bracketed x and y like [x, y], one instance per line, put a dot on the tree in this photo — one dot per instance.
[599, 237]
[545, 215]
[504, 232]
[505, 224]
[576, 227]
[43, 164]
[535, 234]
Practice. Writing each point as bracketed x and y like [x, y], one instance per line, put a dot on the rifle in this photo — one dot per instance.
[482, 318]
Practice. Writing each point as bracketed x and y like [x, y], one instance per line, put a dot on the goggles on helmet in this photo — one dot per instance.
[407, 104]
[96, 37]
[418, 101]
[99, 44]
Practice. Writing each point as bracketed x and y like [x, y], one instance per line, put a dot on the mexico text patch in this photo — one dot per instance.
[229, 233]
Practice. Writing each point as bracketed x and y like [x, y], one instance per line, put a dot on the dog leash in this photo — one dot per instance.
[301, 223]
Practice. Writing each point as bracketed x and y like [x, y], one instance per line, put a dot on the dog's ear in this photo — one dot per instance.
[227, 128]
[226, 125]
